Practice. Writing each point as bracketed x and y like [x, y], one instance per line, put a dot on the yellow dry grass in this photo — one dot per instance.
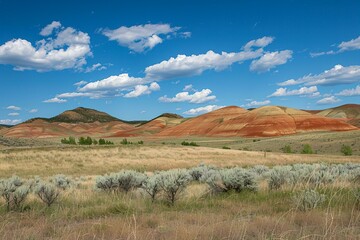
[83, 161]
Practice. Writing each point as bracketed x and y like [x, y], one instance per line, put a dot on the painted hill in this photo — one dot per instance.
[225, 122]
[153, 126]
[261, 122]
[79, 115]
[348, 112]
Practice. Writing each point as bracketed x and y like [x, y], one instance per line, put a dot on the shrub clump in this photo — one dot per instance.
[152, 186]
[185, 143]
[14, 191]
[61, 181]
[70, 140]
[346, 150]
[173, 182]
[237, 179]
[287, 149]
[308, 199]
[123, 181]
[47, 192]
[307, 149]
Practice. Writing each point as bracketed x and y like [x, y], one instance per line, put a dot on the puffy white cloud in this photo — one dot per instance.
[141, 37]
[261, 42]
[14, 108]
[68, 49]
[55, 100]
[34, 110]
[10, 121]
[121, 81]
[184, 66]
[197, 97]
[95, 67]
[201, 110]
[328, 100]
[256, 103]
[142, 90]
[335, 76]
[270, 60]
[304, 91]
[14, 114]
[47, 30]
[350, 92]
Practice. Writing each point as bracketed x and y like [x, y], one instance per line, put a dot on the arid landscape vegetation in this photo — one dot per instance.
[177, 178]
[180, 120]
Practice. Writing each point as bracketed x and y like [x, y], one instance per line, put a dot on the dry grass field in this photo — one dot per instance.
[83, 213]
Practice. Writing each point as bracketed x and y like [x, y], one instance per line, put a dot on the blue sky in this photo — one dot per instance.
[138, 60]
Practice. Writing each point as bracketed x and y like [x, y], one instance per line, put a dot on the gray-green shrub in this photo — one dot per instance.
[237, 179]
[173, 182]
[122, 181]
[151, 186]
[47, 192]
[14, 191]
[308, 199]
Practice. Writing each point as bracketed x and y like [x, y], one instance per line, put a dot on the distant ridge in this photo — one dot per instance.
[229, 121]
[349, 113]
[79, 115]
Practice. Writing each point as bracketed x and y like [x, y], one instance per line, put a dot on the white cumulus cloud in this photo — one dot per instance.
[10, 121]
[141, 37]
[185, 66]
[121, 81]
[34, 110]
[14, 108]
[197, 97]
[14, 114]
[328, 100]
[256, 103]
[67, 48]
[350, 92]
[334, 76]
[261, 42]
[47, 30]
[201, 110]
[142, 90]
[304, 91]
[270, 60]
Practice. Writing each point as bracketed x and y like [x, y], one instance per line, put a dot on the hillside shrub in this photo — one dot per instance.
[125, 142]
[308, 199]
[286, 149]
[85, 141]
[70, 141]
[173, 182]
[346, 150]
[47, 192]
[307, 149]
[105, 142]
[185, 143]
[225, 147]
